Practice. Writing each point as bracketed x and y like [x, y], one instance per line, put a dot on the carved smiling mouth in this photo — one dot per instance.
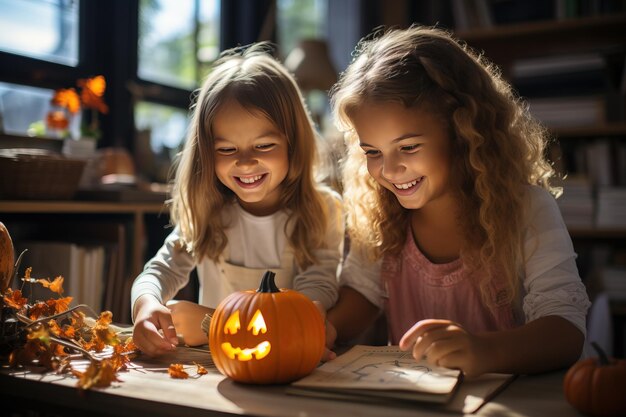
[259, 351]
[408, 185]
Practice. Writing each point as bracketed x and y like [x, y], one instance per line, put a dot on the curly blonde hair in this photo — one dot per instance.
[257, 81]
[497, 147]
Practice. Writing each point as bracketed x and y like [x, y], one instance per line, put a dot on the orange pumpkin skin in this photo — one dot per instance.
[596, 388]
[295, 331]
[7, 258]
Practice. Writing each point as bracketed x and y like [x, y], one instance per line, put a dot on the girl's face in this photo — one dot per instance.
[407, 151]
[251, 157]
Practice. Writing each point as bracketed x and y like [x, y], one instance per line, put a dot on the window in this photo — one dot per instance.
[178, 41]
[46, 30]
[161, 131]
[299, 19]
[39, 34]
[20, 106]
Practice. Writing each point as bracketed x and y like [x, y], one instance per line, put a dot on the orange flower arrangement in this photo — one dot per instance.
[69, 102]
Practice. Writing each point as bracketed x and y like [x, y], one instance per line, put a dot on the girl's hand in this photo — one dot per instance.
[154, 333]
[331, 334]
[445, 343]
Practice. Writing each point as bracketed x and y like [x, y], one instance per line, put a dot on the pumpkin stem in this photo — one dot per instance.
[267, 283]
[604, 360]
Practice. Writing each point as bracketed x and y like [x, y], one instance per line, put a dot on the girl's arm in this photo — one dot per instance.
[319, 281]
[187, 318]
[545, 344]
[163, 275]
[352, 314]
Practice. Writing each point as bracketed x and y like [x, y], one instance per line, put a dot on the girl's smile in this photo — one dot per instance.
[250, 181]
[408, 188]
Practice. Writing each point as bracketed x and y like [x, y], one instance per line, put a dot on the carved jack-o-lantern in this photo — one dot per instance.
[268, 336]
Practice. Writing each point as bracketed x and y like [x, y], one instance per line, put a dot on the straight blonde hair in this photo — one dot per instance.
[258, 82]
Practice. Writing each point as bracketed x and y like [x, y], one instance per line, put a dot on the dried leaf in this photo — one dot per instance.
[101, 334]
[39, 310]
[54, 286]
[176, 371]
[14, 299]
[98, 374]
[201, 369]
[66, 331]
[61, 304]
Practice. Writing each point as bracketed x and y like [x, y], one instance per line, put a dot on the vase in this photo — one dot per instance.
[84, 148]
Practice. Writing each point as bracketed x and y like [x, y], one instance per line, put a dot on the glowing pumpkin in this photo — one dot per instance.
[7, 258]
[267, 336]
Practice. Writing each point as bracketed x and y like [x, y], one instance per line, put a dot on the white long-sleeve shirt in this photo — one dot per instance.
[256, 242]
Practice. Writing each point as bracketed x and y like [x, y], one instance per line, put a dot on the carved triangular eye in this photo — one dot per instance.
[257, 324]
[232, 325]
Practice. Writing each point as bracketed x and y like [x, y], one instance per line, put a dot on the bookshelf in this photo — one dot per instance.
[576, 58]
[130, 231]
[507, 43]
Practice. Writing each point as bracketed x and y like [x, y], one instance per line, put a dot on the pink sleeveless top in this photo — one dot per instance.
[418, 289]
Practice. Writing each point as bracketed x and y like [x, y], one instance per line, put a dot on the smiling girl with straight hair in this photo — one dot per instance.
[245, 199]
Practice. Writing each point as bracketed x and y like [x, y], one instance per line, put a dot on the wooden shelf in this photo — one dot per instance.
[610, 129]
[597, 233]
[27, 206]
[561, 31]
[506, 43]
[136, 210]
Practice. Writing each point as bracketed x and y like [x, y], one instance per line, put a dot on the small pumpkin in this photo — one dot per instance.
[267, 336]
[7, 258]
[595, 386]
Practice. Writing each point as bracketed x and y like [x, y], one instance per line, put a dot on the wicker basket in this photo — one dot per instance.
[38, 174]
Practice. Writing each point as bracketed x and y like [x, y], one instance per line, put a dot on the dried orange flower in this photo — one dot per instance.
[91, 97]
[92, 92]
[68, 99]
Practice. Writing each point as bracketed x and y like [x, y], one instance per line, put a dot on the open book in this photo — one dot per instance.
[381, 371]
[385, 374]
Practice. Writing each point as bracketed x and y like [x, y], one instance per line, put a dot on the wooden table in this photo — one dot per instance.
[149, 391]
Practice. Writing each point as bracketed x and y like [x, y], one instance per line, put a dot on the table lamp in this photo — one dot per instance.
[310, 63]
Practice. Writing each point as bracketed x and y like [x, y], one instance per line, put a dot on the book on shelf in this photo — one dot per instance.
[82, 268]
[387, 375]
[470, 14]
[577, 203]
[569, 112]
[599, 159]
[611, 207]
[48, 260]
[561, 75]
[613, 279]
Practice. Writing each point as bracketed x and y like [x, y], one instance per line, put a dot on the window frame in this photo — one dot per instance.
[109, 30]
